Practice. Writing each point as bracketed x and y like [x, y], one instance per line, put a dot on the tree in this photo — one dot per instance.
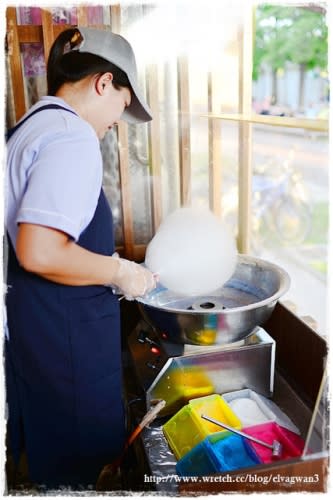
[290, 34]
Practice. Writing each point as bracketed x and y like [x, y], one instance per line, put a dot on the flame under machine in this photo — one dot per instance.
[187, 347]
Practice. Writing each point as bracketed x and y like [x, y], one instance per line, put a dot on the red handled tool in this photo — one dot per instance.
[107, 478]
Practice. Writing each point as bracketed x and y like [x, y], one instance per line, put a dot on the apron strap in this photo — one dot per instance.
[12, 130]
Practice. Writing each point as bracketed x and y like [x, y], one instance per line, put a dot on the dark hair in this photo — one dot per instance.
[66, 65]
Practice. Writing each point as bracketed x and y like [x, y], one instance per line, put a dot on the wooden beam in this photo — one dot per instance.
[139, 251]
[124, 173]
[126, 192]
[82, 16]
[184, 128]
[48, 35]
[34, 34]
[30, 33]
[16, 68]
[274, 121]
[154, 145]
[214, 159]
[115, 18]
[245, 132]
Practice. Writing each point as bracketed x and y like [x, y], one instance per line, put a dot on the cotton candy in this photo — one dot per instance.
[193, 252]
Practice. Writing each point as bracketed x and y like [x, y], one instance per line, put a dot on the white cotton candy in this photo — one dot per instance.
[193, 252]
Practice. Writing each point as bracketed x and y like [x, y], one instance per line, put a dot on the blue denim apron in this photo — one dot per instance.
[63, 369]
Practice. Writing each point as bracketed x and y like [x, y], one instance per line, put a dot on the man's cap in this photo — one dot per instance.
[115, 49]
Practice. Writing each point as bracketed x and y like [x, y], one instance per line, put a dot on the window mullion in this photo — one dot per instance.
[245, 132]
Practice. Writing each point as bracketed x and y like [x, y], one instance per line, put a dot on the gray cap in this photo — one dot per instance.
[115, 49]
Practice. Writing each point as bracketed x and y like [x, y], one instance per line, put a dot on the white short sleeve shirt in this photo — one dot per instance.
[54, 172]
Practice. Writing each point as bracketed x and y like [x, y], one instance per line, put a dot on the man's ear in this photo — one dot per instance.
[102, 82]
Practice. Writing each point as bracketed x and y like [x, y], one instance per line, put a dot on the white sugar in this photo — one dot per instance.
[248, 411]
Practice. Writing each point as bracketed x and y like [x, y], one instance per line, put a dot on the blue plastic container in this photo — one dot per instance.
[196, 462]
[219, 452]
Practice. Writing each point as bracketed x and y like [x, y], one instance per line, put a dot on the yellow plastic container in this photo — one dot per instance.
[215, 407]
[183, 431]
[179, 385]
[186, 428]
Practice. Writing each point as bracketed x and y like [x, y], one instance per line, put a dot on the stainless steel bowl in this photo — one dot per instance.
[228, 315]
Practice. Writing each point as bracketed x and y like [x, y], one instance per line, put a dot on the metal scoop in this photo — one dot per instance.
[276, 446]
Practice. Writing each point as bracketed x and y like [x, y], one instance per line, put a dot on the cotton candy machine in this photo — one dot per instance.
[186, 347]
[227, 315]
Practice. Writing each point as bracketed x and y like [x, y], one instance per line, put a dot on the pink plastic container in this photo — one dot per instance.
[292, 444]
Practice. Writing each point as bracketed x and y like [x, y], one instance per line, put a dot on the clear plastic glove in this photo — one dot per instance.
[132, 280]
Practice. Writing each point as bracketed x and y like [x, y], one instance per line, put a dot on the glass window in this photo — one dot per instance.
[208, 75]
[290, 197]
